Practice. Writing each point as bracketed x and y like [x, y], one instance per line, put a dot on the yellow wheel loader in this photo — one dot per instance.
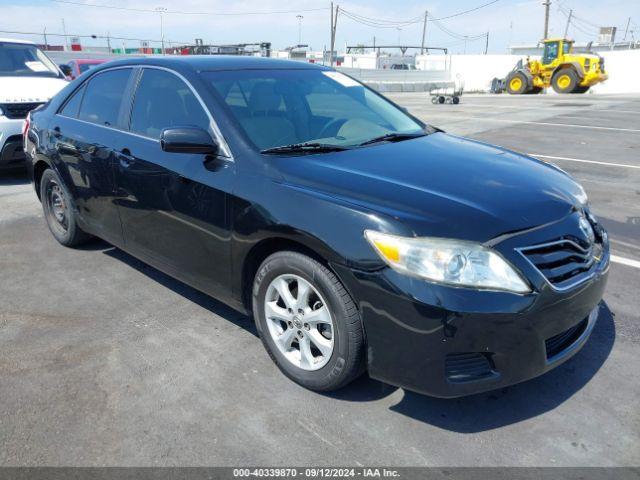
[559, 68]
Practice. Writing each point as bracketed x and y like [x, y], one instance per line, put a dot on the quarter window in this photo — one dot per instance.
[162, 100]
[73, 104]
[101, 102]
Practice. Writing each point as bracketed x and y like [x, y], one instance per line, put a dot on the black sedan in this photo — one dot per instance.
[359, 237]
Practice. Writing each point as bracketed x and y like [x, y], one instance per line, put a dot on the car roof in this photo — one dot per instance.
[203, 63]
[15, 40]
[89, 60]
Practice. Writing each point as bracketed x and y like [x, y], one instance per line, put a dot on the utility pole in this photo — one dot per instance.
[547, 4]
[424, 31]
[626, 30]
[45, 38]
[486, 45]
[299, 17]
[334, 24]
[108, 43]
[66, 40]
[161, 10]
[566, 29]
[331, 39]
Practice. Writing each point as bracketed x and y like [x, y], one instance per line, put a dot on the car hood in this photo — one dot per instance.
[442, 185]
[29, 89]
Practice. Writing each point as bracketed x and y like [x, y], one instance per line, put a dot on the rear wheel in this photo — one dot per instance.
[517, 83]
[59, 211]
[308, 323]
[565, 81]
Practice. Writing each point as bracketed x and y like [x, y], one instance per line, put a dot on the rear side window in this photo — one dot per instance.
[73, 104]
[163, 100]
[101, 102]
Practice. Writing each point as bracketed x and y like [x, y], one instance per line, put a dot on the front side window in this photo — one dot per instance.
[550, 52]
[283, 107]
[163, 100]
[102, 100]
[24, 60]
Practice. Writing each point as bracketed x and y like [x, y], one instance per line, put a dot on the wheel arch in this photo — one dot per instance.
[575, 66]
[39, 168]
[268, 246]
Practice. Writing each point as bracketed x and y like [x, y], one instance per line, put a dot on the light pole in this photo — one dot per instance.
[161, 10]
[299, 17]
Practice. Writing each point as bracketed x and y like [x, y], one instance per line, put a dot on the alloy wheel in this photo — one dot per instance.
[299, 322]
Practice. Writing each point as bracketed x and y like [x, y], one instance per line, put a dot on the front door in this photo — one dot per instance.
[173, 206]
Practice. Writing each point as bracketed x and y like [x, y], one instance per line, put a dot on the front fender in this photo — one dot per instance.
[331, 227]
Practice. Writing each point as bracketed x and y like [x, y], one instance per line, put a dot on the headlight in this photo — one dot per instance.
[581, 195]
[454, 262]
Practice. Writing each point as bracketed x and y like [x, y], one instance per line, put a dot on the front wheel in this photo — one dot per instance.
[307, 321]
[517, 83]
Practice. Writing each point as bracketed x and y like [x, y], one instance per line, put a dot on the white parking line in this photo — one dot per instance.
[625, 244]
[625, 261]
[609, 164]
[526, 122]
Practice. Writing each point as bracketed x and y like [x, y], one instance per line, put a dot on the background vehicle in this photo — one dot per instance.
[294, 192]
[28, 79]
[78, 66]
[559, 68]
[402, 66]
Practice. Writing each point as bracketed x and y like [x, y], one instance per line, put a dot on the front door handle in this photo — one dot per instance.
[125, 158]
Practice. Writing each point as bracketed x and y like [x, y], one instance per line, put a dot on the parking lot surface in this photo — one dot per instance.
[106, 361]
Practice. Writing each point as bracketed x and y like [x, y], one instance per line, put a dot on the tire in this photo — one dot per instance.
[456, 100]
[441, 99]
[565, 81]
[60, 211]
[280, 332]
[517, 83]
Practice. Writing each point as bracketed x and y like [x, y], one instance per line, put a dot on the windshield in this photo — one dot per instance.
[285, 107]
[22, 60]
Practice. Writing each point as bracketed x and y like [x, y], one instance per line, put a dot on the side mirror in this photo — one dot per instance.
[188, 140]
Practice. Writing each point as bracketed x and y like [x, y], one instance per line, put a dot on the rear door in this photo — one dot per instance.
[173, 206]
[84, 132]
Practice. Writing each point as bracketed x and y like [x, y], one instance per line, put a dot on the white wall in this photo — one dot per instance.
[623, 68]
[477, 71]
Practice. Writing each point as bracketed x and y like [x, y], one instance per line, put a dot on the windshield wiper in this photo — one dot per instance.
[311, 147]
[393, 137]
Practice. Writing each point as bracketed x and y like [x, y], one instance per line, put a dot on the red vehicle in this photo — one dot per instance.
[81, 65]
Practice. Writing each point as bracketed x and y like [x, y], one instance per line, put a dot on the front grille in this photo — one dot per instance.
[467, 367]
[562, 262]
[562, 341]
[18, 110]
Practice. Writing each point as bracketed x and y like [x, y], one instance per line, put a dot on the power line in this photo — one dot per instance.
[180, 12]
[95, 37]
[467, 11]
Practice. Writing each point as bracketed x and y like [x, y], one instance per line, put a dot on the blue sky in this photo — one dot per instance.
[507, 21]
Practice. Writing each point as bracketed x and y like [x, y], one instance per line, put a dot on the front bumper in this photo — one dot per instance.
[11, 151]
[448, 342]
